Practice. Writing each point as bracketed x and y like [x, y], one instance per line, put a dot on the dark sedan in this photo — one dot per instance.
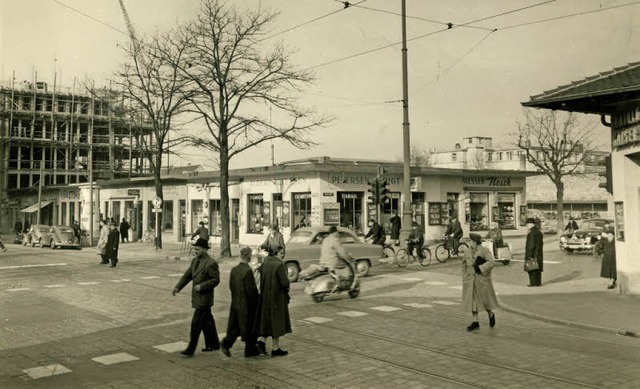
[303, 249]
[585, 237]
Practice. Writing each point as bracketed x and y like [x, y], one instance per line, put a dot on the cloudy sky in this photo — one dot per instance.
[464, 81]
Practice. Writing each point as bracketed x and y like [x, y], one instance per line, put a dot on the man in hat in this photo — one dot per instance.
[113, 242]
[477, 288]
[201, 232]
[533, 250]
[376, 233]
[205, 276]
[454, 231]
[416, 239]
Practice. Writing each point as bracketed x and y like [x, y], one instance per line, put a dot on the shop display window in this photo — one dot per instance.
[417, 207]
[215, 224]
[619, 220]
[505, 212]
[165, 218]
[351, 210]
[301, 210]
[258, 212]
[197, 214]
[387, 208]
[478, 211]
[453, 208]
[438, 214]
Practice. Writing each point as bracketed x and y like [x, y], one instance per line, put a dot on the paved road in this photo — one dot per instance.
[69, 322]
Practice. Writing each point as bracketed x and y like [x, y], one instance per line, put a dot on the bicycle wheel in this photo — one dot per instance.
[390, 253]
[442, 254]
[462, 248]
[426, 253]
[402, 257]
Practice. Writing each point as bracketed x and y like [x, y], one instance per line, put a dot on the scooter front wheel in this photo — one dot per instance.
[354, 293]
[317, 297]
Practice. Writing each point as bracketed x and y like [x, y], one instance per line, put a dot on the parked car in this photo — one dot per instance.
[585, 237]
[61, 237]
[36, 235]
[303, 249]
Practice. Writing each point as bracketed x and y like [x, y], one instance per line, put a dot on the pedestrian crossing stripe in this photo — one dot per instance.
[121, 280]
[46, 371]
[457, 287]
[115, 358]
[435, 283]
[17, 289]
[149, 277]
[55, 286]
[352, 313]
[444, 302]
[172, 347]
[175, 275]
[411, 279]
[385, 308]
[418, 305]
[88, 283]
[317, 320]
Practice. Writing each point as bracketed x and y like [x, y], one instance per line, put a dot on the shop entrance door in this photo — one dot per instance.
[351, 210]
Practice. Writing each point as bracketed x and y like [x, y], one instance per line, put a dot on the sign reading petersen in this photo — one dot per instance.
[503, 182]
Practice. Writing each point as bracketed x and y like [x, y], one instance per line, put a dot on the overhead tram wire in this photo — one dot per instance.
[90, 17]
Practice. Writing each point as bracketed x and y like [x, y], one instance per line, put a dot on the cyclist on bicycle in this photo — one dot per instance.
[454, 231]
[376, 233]
[415, 240]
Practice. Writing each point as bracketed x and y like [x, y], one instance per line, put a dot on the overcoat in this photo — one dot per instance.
[102, 241]
[203, 272]
[396, 224]
[273, 243]
[476, 287]
[608, 268]
[244, 300]
[113, 242]
[273, 311]
[533, 247]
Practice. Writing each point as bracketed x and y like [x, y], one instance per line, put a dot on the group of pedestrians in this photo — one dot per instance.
[254, 314]
[108, 243]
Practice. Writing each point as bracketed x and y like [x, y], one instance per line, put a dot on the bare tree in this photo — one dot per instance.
[477, 159]
[556, 146]
[244, 96]
[154, 96]
[419, 156]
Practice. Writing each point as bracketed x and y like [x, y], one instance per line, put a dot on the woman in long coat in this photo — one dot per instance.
[273, 308]
[102, 242]
[608, 250]
[477, 287]
[396, 223]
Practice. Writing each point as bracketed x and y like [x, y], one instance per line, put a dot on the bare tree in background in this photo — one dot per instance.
[155, 94]
[419, 157]
[557, 146]
[244, 96]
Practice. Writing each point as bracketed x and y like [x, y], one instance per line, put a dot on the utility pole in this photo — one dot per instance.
[91, 173]
[406, 187]
[38, 220]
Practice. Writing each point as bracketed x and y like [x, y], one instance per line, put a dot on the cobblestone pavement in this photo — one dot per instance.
[85, 325]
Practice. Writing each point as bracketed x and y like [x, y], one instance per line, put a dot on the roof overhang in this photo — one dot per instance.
[601, 103]
[35, 207]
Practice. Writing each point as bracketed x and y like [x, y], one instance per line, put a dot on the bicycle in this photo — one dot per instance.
[390, 254]
[445, 250]
[403, 257]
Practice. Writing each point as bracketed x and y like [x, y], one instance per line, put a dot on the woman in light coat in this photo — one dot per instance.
[102, 242]
[477, 287]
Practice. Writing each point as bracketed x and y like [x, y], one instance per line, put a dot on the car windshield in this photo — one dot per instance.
[593, 224]
[300, 237]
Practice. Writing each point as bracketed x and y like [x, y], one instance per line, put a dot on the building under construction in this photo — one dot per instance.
[52, 140]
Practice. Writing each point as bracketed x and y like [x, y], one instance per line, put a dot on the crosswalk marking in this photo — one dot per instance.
[411, 279]
[149, 277]
[46, 371]
[172, 347]
[435, 283]
[115, 358]
[385, 308]
[121, 280]
[174, 275]
[352, 313]
[457, 287]
[17, 289]
[55, 286]
[418, 305]
[317, 319]
[29, 266]
[88, 283]
[444, 302]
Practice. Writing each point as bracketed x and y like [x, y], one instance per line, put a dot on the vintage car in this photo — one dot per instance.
[585, 237]
[303, 249]
[61, 237]
[36, 235]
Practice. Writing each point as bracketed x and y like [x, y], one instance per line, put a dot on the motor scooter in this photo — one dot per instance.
[328, 282]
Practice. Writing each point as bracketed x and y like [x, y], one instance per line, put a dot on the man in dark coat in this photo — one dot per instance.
[396, 225]
[454, 230]
[415, 239]
[274, 241]
[205, 276]
[533, 250]
[124, 230]
[113, 242]
[376, 233]
[244, 305]
[202, 232]
[273, 311]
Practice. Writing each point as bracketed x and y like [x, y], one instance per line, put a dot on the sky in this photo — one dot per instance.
[465, 81]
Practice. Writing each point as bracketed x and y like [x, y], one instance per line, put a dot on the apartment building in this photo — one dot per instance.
[56, 137]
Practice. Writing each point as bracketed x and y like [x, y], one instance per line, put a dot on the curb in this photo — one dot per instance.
[619, 332]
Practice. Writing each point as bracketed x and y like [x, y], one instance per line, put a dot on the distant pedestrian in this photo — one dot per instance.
[396, 225]
[17, 228]
[204, 275]
[244, 306]
[376, 233]
[102, 242]
[201, 232]
[571, 226]
[273, 311]
[495, 235]
[76, 229]
[477, 287]
[274, 241]
[124, 230]
[607, 247]
[533, 250]
[113, 241]
[27, 226]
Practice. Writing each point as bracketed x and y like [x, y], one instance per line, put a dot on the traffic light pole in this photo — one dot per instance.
[378, 207]
[406, 187]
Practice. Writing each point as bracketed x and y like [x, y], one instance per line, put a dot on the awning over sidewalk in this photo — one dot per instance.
[34, 207]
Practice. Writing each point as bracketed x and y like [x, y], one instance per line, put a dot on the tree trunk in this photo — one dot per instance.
[560, 205]
[158, 186]
[225, 241]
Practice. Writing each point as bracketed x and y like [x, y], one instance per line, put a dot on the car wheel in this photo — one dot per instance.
[362, 267]
[292, 271]
[52, 244]
[317, 297]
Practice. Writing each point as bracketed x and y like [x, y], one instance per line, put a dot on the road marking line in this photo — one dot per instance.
[115, 358]
[317, 320]
[418, 305]
[435, 283]
[172, 347]
[444, 302]
[545, 261]
[46, 371]
[386, 308]
[55, 286]
[352, 313]
[121, 280]
[149, 277]
[28, 266]
[411, 279]
[457, 287]
[175, 275]
[88, 283]
[17, 289]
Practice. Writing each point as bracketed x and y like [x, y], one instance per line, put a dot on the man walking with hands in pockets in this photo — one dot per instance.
[205, 275]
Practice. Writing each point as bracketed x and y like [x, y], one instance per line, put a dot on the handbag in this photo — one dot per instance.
[531, 265]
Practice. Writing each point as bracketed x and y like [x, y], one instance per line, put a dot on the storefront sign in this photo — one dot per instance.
[349, 195]
[488, 181]
[362, 180]
[626, 118]
[133, 192]
[627, 136]
[69, 194]
[327, 194]
[298, 196]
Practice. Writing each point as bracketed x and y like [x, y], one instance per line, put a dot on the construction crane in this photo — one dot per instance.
[130, 29]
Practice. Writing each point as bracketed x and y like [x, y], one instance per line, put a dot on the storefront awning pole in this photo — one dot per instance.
[406, 187]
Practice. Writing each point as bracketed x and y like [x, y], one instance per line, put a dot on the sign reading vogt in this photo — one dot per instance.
[487, 181]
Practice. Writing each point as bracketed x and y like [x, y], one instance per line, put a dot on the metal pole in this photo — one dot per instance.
[38, 220]
[406, 187]
[91, 176]
[378, 205]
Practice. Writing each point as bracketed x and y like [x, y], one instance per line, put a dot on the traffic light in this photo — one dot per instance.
[374, 191]
[384, 192]
[607, 183]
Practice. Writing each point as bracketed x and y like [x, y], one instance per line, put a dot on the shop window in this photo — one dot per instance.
[478, 213]
[197, 214]
[215, 223]
[301, 210]
[388, 210]
[258, 213]
[351, 210]
[619, 220]
[452, 205]
[417, 207]
[115, 206]
[278, 211]
[504, 213]
[165, 218]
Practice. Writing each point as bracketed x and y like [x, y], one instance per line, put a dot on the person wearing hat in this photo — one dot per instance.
[244, 306]
[201, 232]
[533, 250]
[102, 242]
[477, 287]
[376, 233]
[607, 248]
[454, 231]
[204, 274]
[415, 239]
[274, 241]
[113, 242]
